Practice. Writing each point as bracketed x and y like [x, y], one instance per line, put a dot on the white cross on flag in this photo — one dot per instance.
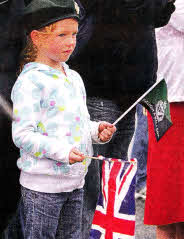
[115, 213]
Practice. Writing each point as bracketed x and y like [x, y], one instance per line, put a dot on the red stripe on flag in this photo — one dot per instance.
[117, 225]
[103, 180]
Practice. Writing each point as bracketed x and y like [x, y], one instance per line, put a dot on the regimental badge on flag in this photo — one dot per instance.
[157, 104]
[114, 217]
[155, 101]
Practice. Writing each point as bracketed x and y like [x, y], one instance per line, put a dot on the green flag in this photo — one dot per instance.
[157, 104]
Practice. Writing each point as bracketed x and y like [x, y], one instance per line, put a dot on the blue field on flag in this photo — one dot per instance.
[115, 213]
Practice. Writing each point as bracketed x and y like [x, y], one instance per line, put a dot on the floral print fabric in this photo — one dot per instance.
[50, 118]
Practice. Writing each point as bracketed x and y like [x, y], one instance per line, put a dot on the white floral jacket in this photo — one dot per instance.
[50, 118]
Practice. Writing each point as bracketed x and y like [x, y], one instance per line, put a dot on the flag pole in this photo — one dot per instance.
[131, 107]
[109, 159]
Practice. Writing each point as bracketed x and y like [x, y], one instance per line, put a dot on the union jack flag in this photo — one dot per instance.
[115, 213]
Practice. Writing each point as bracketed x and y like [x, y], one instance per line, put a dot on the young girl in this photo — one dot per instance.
[51, 124]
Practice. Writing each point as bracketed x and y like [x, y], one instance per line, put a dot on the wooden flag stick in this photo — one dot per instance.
[109, 160]
[90, 157]
[131, 107]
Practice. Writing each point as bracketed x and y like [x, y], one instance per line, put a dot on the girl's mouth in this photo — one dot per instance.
[68, 52]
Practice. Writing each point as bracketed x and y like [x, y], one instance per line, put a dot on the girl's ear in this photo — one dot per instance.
[35, 37]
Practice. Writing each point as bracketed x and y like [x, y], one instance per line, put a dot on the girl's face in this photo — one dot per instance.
[58, 45]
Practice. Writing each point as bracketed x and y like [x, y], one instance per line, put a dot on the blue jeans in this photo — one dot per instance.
[104, 110]
[139, 147]
[107, 110]
[51, 215]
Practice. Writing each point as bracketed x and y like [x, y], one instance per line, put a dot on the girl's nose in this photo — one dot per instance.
[71, 41]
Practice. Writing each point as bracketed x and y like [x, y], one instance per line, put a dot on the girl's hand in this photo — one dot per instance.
[75, 156]
[106, 131]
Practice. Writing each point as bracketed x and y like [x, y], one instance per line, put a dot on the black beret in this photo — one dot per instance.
[39, 13]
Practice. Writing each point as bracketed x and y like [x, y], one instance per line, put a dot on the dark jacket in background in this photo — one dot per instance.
[116, 53]
[11, 41]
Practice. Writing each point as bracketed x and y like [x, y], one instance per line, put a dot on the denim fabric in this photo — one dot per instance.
[105, 110]
[139, 147]
[51, 215]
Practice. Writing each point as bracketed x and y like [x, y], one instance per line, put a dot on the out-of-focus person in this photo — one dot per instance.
[164, 205]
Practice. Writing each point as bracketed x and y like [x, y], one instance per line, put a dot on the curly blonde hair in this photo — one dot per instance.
[29, 53]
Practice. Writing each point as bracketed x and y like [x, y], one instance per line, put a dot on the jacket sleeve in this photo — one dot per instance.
[177, 19]
[27, 128]
[94, 132]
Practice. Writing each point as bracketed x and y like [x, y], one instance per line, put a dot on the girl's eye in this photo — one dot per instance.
[61, 35]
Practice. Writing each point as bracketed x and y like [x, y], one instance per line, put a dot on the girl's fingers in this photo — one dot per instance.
[112, 129]
[107, 126]
[107, 132]
[105, 135]
[76, 156]
[77, 152]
